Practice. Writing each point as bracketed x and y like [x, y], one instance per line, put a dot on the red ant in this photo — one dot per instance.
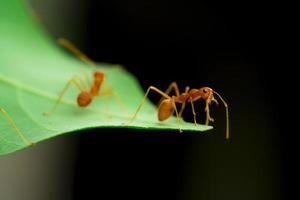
[13, 124]
[86, 95]
[167, 104]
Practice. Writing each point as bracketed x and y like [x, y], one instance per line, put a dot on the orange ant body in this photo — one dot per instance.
[86, 95]
[13, 124]
[167, 104]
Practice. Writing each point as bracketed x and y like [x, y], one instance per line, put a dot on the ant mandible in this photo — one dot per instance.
[13, 124]
[167, 104]
[86, 95]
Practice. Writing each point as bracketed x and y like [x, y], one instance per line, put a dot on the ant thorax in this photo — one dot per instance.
[98, 79]
[194, 94]
[182, 98]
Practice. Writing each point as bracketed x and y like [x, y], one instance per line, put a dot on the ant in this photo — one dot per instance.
[86, 95]
[13, 124]
[167, 104]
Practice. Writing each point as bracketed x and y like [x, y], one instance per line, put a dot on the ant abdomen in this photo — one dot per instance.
[84, 99]
[165, 109]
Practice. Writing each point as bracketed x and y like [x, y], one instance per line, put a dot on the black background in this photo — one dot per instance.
[234, 47]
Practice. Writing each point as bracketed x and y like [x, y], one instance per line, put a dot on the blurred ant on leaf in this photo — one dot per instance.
[14, 126]
[86, 94]
[167, 104]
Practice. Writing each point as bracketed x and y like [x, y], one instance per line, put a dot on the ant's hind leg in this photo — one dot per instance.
[172, 86]
[144, 99]
[71, 81]
[13, 124]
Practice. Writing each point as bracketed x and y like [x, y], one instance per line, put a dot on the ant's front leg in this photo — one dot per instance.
[208, 117]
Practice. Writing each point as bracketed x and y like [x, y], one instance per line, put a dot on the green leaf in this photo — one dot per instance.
[34, 69]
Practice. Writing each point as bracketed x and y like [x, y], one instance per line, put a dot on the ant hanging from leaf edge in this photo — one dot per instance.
[167, 104]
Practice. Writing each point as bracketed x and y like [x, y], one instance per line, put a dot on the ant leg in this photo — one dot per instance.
[118, 99]
[174, 86]
[181, 110]
[194, 112]
[110, 91]
[177, 116]
[106, 107]
[84, 84]
[13, 124]
[71, 81]
[208, 118]
[72, 48]
[86, 80]
[144, 99]
[187, 88]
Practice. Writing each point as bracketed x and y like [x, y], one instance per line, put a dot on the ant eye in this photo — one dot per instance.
[205, 90]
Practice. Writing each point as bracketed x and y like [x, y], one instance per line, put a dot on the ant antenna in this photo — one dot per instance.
[71, 47]
[227, 114]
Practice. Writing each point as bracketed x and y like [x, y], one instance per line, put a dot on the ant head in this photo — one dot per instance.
[206, 93]
[99, 75]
